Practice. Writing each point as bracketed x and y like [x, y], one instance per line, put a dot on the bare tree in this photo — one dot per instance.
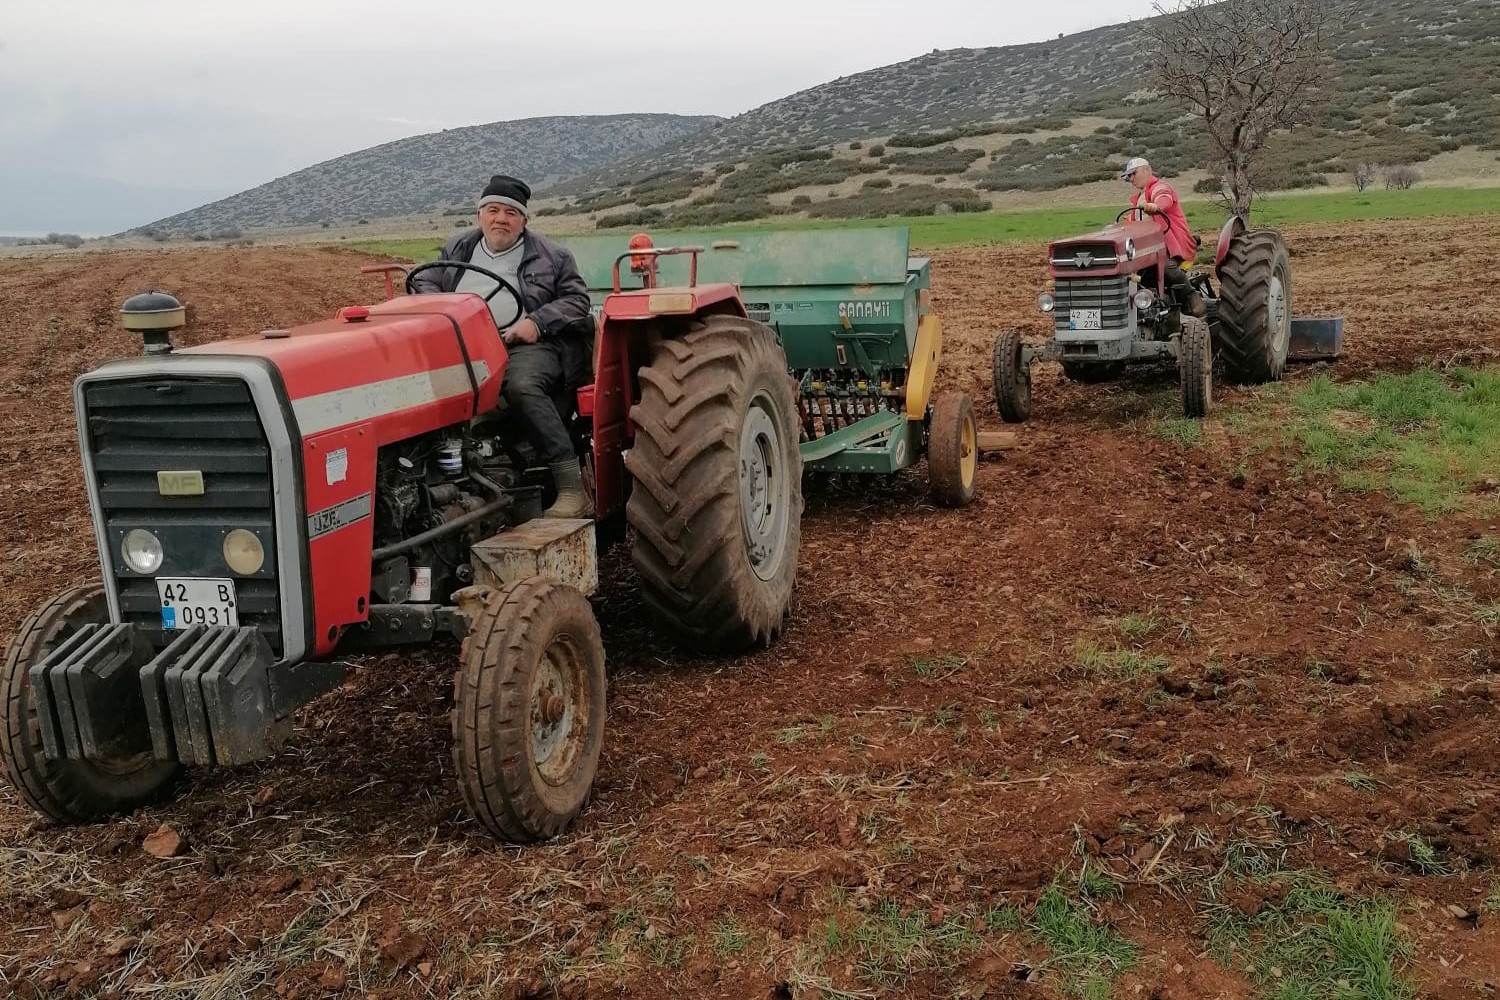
[1245, 68]
[1402, 178]
[1363, 175]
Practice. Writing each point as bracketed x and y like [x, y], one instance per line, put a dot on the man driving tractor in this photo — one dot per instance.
[1157, 198]
[550, 341]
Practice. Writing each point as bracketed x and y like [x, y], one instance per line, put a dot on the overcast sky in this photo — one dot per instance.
[221, 95]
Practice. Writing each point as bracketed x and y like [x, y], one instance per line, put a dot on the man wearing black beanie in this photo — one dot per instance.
[550, 340]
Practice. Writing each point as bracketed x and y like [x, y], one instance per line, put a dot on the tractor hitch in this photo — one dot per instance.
[214, 696]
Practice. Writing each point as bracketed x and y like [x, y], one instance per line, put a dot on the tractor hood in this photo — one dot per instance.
[1122, 248]
[370, 363]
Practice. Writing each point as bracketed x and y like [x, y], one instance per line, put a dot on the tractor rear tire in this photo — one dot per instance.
[1092, 373]
[1254, 322]
[716, 504]
[953, 450]
[1012, 379]
[67, 791]
[1195, 364]
[528, 710]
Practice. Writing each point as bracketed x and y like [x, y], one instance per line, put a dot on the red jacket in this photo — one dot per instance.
[1180, 242]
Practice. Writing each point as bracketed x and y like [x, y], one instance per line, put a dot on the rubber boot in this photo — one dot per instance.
[572, 500]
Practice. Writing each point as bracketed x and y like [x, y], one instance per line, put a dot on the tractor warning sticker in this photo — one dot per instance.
[331, 519]
[878, 309]
[336, 466]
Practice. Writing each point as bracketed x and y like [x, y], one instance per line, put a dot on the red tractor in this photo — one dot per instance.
[1115, 300]
[266, 505]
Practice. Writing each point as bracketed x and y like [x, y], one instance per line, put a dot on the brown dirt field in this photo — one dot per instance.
[925, 734]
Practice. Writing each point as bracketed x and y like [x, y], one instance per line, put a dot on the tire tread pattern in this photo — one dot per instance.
[688, 547]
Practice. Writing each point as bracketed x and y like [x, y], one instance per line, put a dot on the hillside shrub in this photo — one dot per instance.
[639, 217]
[915, 199]
[876, 184]
[877, 150]
[937, 161]
[801, 200]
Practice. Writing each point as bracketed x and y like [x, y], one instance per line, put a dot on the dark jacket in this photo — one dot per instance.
[554, 293]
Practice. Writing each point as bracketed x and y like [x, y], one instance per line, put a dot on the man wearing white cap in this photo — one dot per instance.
[550, 340]
[1156, 198]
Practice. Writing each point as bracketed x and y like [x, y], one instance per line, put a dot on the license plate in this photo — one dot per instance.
[1085, 319]
[189, 601]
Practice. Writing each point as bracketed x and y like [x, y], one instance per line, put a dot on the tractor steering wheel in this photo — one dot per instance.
[411, 288]
[1141, 212]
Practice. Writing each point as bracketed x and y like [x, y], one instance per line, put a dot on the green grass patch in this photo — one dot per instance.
[1086, 954]
[1038, 225]
[1183, 431]
[1316, 944]
[1117, 664]
[1139, 626]
[1426, 438]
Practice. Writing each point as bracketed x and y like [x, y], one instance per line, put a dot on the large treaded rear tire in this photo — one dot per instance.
[525, 763]
[1195, 363]
[1012, 380]
[953, 450]
[67, 791]
[716, 505]
[1254, 321]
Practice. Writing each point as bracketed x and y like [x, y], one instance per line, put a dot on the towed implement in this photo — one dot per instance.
[853, 314]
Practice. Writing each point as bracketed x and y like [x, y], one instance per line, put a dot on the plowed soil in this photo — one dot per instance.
[963, 705]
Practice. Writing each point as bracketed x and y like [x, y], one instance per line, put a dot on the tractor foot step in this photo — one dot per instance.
[88, 701]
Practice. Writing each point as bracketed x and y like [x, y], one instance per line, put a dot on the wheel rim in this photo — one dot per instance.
[764, 488]
[558, 711]
[1278, 315]
[968, 451]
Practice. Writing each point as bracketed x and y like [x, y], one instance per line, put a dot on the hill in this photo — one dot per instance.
[951, 130]
[433, 172]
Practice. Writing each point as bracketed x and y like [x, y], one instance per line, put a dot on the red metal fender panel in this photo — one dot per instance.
[339, 467]
[1234, 227]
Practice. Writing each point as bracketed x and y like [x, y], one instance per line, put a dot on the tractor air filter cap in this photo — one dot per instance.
[154, 315]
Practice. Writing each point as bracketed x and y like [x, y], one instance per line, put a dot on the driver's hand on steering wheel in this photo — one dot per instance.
[524, 331]
[1150, 207]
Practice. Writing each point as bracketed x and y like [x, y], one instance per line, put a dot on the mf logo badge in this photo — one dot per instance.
[1130, 249]
[185, 483]
[1083, 259]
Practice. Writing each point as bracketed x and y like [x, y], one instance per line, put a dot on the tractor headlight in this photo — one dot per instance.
[1144, 298]
[1046, 302]
[243, 552]
[142, 551]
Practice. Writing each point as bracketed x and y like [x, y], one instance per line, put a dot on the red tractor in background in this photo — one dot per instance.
[1113, 303]
[266, 505]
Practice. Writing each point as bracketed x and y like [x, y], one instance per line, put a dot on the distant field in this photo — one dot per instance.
[1042, 224]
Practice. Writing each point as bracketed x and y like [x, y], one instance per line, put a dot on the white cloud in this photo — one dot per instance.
[185, 93]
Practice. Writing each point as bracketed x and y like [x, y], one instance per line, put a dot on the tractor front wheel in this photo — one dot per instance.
[953, 450]
[716, 503]
[528, 710]
[1012, 378]
[1255, 307]
[1195, 364]
[67, 791]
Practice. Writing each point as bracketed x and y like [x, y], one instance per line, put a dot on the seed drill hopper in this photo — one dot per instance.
[854, 314]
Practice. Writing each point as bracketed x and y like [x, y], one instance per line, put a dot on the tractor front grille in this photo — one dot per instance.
[1109, 295]
[139, 427]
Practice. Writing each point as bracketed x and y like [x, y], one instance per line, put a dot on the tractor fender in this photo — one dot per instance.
[1236, 226]
[924, 363]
